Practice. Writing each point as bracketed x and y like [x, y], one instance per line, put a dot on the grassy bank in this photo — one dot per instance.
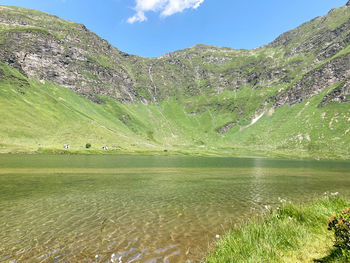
[291, 233]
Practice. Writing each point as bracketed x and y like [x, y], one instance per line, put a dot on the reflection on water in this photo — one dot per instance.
[142, 209]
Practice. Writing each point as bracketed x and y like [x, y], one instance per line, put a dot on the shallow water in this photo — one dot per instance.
[142, 209]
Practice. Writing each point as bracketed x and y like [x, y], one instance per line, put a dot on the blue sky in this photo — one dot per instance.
[152, 28]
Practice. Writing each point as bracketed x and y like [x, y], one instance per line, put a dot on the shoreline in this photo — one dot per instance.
[192, 152]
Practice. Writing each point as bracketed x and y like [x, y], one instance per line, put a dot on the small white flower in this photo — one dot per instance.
[334, 194]
[217, 236]
[96, 256]
[266, 207]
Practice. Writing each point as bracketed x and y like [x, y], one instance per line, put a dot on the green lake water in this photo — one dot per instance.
[143, 209]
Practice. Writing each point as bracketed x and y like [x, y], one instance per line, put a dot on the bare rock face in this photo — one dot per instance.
[339, 94]
[226, 127]
[44, 57]
[39, 59]
[304, 61]
[316, 80]
[76, 59]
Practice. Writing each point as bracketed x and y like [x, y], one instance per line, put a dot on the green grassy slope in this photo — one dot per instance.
[45, 115]
[288, 98]
[42, 116]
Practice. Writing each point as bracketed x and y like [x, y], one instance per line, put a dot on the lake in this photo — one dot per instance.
[77, 208]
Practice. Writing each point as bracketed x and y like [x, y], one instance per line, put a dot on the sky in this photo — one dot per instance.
[151, 28]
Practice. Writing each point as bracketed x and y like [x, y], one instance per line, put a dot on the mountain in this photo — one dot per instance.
[62, 84]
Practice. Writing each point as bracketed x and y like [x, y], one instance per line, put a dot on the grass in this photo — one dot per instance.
[293, 233]
[42, 117]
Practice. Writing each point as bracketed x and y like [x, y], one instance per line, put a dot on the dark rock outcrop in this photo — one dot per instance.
[226, 127]
[338, 94]
[316, 80]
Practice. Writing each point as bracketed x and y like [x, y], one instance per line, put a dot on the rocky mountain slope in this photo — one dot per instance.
[288, 97]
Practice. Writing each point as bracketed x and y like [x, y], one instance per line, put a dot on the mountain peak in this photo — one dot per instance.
[348, 3]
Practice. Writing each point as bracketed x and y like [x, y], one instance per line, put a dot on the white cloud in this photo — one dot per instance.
[138, 17]
[165, 7]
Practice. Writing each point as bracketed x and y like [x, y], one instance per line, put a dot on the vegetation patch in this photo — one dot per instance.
[289, 233]
[341, 226]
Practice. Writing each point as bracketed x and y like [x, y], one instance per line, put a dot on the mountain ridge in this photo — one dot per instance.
[204, 97]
